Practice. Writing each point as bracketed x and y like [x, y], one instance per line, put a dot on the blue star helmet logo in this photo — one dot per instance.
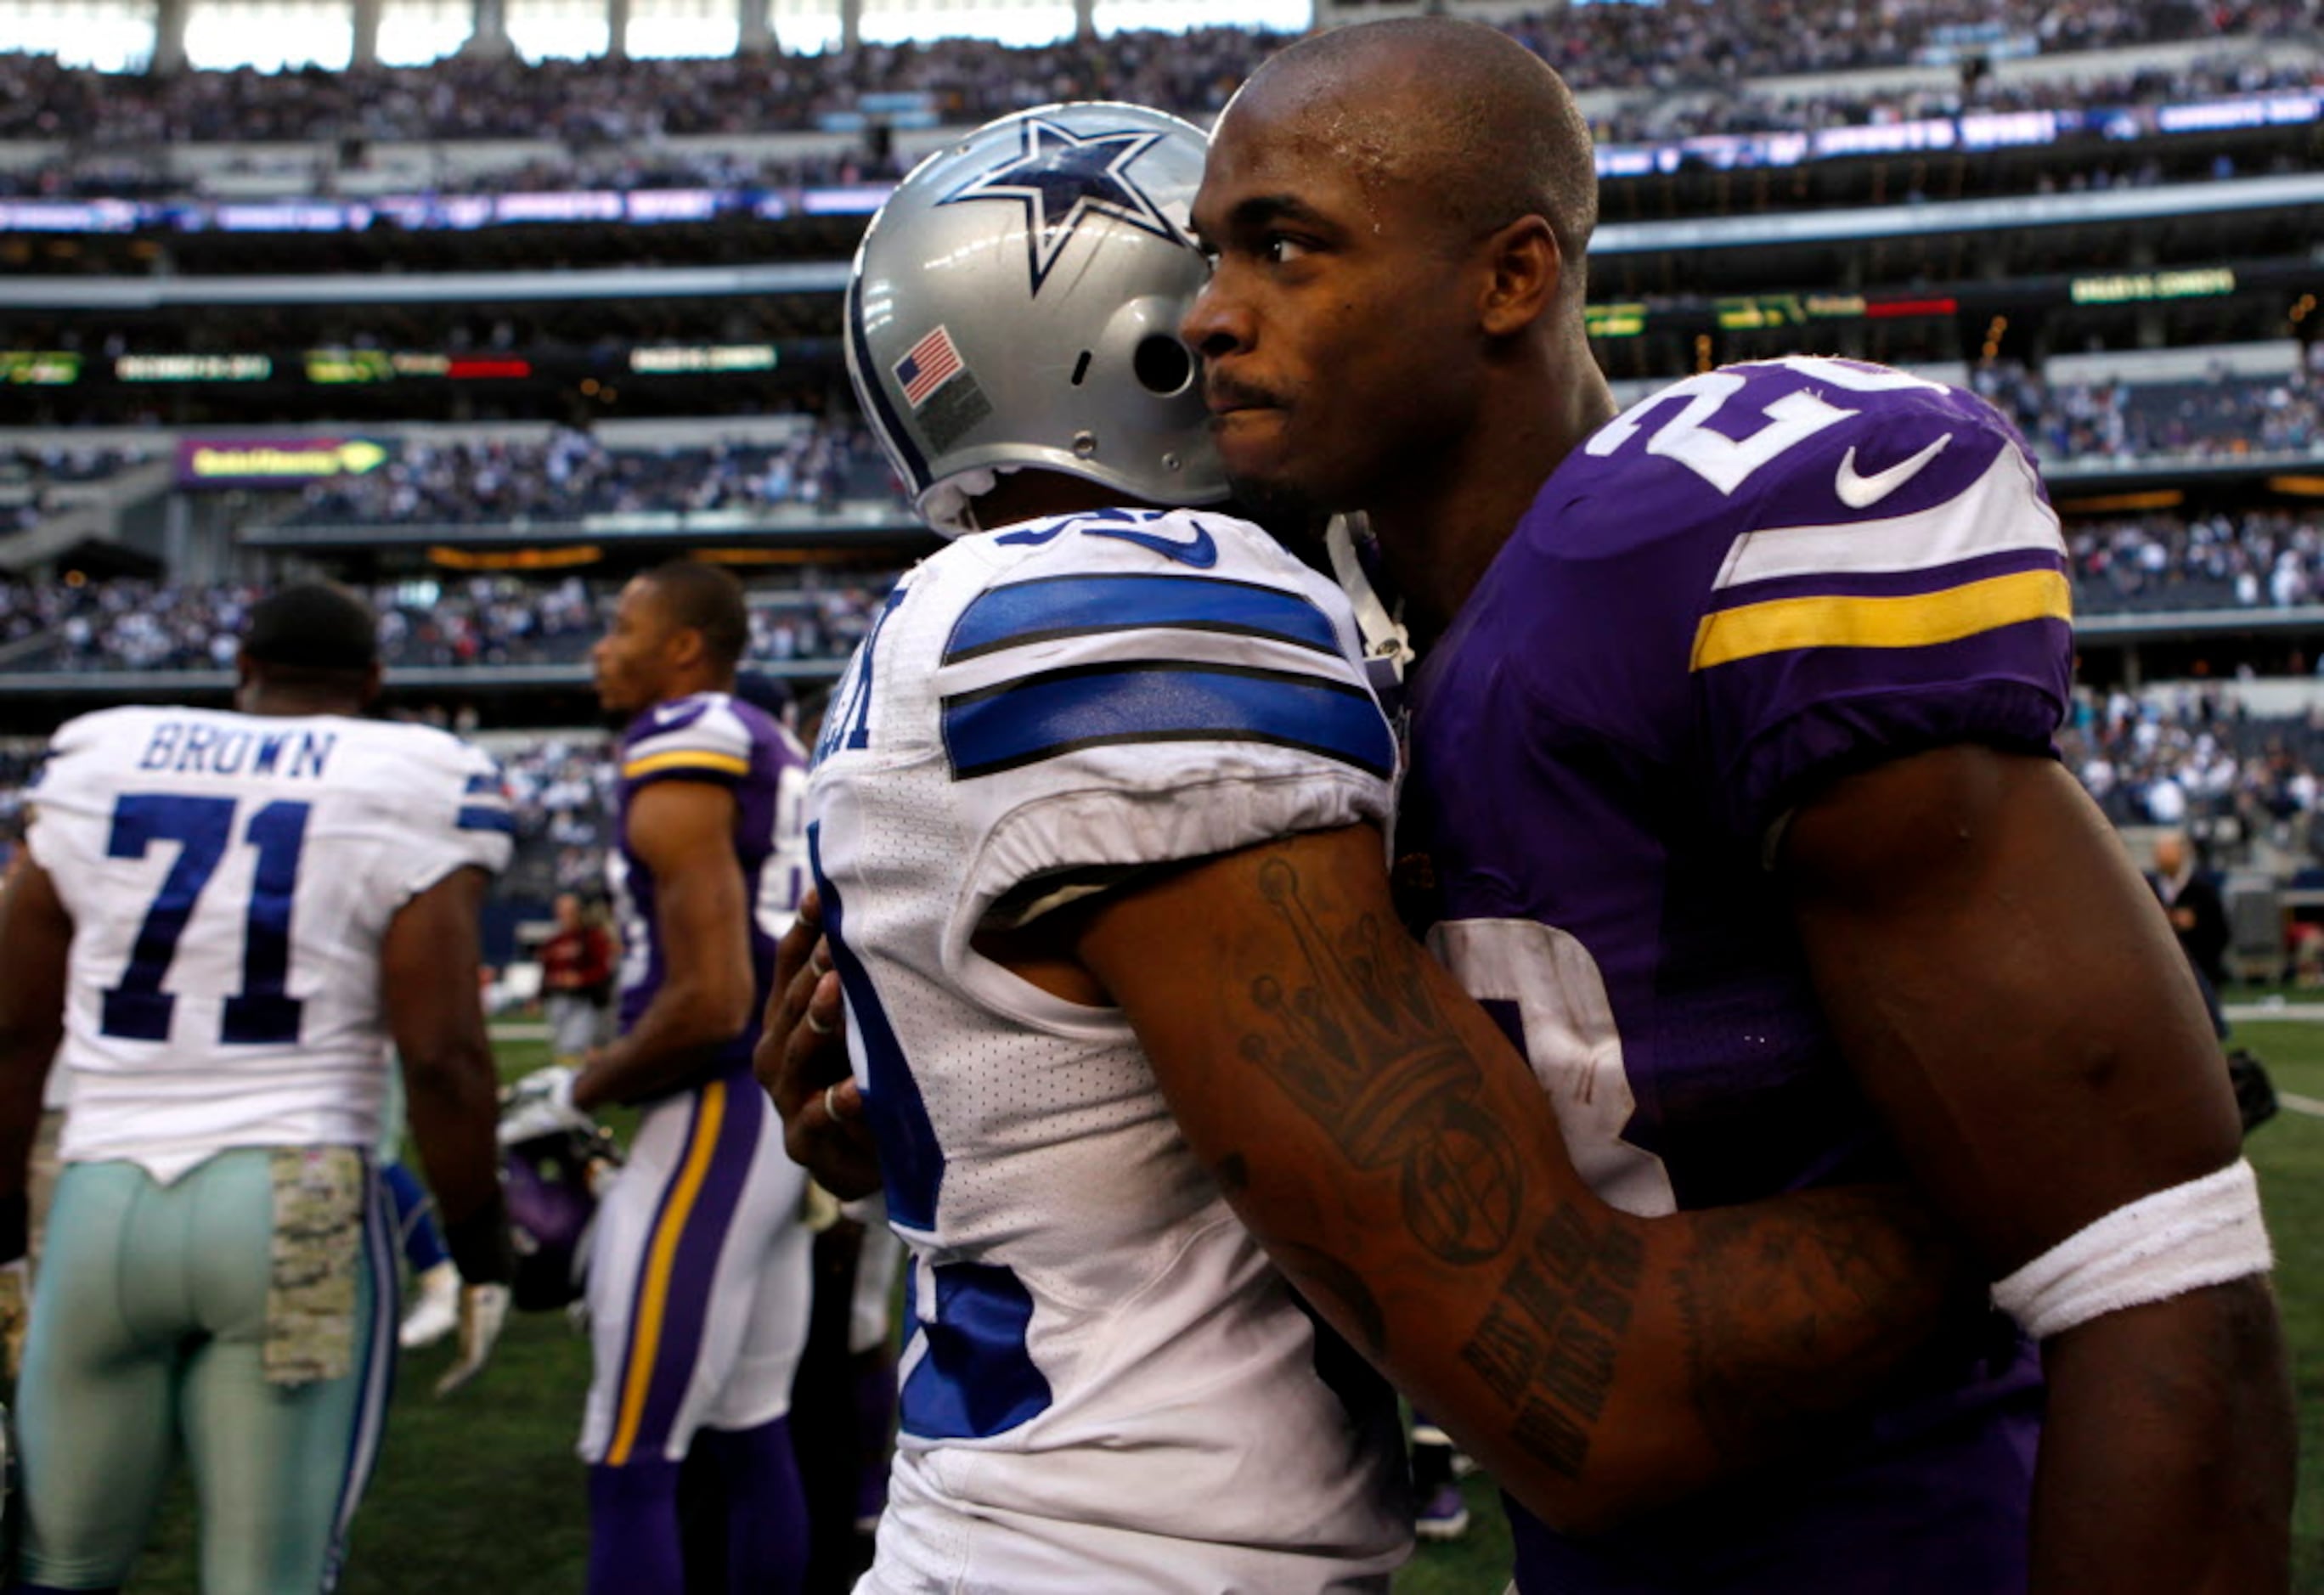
[1062, 177]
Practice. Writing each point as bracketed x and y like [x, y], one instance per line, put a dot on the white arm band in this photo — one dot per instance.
[2204, 1232]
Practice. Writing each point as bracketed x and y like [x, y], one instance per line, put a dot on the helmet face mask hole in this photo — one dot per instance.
[1162, 365]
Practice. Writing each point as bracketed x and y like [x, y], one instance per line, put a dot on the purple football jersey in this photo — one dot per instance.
[711, 737]
[1747, 585]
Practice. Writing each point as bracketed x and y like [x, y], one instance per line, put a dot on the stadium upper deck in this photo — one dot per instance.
[2110, 177]
[487, 93]
[2050, 202]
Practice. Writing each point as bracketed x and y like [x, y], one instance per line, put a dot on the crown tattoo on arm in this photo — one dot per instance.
[1362, 1048]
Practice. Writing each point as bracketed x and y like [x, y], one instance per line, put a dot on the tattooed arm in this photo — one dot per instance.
[1394, 1153]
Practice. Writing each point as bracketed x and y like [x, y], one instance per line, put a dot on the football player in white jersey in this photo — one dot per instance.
[698, 1275]
[1095, 701]
[225, 917]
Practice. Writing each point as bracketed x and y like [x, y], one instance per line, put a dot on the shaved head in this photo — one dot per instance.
[1396, 215]
[1456, 111]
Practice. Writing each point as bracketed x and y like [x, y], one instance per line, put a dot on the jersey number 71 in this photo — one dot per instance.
[263, 1011]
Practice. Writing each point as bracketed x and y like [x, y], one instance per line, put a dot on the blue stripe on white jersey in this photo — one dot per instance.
[481, 817]
[1048, 608]
[1020, 723]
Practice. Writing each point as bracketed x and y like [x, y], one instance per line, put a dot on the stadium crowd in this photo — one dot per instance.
[574, 473]
[1745, 110]
[143, 172]
[2226, 416]
[484, 619]
[2194, 753]
[29, 477]
[20, 465]
[2254, 559]
[561, 788]
[604, 101]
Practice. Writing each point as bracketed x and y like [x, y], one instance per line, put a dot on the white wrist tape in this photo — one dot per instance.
[2204, 1232]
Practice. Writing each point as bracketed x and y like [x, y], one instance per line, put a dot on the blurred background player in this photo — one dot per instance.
[698, 1267]
[435, 1309]
[577, 981]
[225, 917]
[844, 1401]
[1439, 1511]
[2190, 899]
[843, 1397]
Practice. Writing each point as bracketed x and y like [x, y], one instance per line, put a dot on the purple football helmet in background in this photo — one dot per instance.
[550, 1206]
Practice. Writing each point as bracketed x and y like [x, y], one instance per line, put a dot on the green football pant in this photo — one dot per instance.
[149, 1320]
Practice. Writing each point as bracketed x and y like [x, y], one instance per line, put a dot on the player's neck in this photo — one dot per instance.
[1036, 495]
[691, 683]
[290, 703]
[1440, 529]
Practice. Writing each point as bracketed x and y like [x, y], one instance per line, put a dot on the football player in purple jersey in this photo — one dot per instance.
[1732, 762]
[698, 1275]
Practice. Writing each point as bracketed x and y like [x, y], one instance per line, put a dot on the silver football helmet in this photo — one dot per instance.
[1015, 306]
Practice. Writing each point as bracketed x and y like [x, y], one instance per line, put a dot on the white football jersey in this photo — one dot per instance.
[230, 879]
[1106, 1385]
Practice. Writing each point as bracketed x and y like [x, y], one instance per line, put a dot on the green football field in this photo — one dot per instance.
[481, 1493]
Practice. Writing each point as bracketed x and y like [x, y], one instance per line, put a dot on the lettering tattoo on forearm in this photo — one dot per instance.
[1358, 1043]
[1547, 1347]
[1364, 1051]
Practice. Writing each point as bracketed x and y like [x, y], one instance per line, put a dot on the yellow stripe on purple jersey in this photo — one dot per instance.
[1914, 620]
[686, 759]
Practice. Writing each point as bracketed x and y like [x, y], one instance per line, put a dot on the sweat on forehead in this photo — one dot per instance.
[1457, 109]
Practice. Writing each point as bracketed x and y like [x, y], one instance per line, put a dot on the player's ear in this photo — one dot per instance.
[1524, 270]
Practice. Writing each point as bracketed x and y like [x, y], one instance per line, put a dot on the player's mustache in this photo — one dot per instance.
[1222, 393]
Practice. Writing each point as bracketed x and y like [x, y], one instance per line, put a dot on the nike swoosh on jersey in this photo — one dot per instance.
[1201, 552]
[1861, 493]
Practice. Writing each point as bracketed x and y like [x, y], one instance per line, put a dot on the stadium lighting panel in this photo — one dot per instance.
[539, 29]
[110, 35]
[272, 35]
[1277, 16]
[668, 29]
[1009, 21]
[414, 33]
[807, 27]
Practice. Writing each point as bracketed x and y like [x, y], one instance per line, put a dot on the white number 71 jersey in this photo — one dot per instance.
[1106, 1385]
[230, 878]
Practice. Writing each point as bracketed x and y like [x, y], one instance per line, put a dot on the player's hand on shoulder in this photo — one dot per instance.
[483, 1310]
[801, 1060]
